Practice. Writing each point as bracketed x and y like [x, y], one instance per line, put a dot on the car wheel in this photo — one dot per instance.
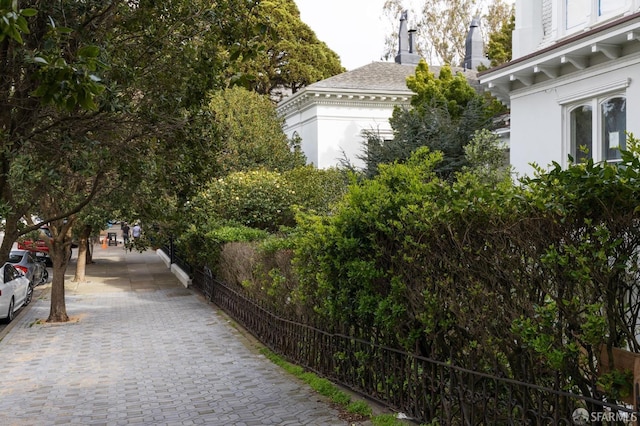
[10, 314]
[45, 276]
[29, 295]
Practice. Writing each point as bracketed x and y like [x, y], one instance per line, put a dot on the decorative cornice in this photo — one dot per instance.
[566, 59]
[351, 98]
[613, 86]
[589, 72]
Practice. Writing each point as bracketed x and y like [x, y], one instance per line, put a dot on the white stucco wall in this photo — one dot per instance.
[305, 124]
[593, 60]
[537, 143]
[541, 23]
[340, 128]
[329, 128]
[528, 33]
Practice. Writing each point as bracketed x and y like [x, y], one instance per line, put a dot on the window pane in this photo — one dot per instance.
[614, 124]
[608, 7]
[577, 12]
[581, 133]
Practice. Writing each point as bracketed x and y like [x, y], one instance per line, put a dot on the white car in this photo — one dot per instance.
[15, 291]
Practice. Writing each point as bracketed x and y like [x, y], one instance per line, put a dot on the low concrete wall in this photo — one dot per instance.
[164, 257]
[182, 276]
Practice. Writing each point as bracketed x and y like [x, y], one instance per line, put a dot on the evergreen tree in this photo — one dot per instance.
[445, 113]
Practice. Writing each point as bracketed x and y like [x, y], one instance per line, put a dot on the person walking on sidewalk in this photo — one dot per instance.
[136, 232]
[125, 233]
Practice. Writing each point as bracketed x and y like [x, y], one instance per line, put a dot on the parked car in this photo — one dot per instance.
[15, 291]
[40, 244]
[30, 265]
[41, 247]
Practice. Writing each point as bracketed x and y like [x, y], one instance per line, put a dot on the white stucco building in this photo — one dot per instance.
[574, 81]
[332, 116]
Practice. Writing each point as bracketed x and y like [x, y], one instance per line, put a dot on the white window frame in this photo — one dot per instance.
[623, 6]
[597, 134]
[593, 14]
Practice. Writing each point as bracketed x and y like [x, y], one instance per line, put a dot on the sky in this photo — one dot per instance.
[354, 29]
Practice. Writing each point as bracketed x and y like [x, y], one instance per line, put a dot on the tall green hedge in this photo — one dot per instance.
[526, 281]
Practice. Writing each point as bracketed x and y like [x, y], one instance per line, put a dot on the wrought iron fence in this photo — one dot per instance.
[422, 388]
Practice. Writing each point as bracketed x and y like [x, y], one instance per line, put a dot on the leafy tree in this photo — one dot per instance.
[107, 83]
[452, 92]
[51, 95]
[487, 157]
[31, 67]
[442, 26]
[94, 93]
[500, 44]
[249, 131]
[292, 57]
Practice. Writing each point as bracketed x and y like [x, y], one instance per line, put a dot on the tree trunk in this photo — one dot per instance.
[83, 245]
[10, 236]
[11, 233]
[90, 243]
[59, 253]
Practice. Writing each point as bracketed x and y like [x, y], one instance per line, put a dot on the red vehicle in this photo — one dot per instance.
[40, 248]
[40, 244]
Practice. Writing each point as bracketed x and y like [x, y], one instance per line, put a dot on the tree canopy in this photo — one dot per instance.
[98, 97]
[445, 113]
[499, 49]
[250, 131]
[291, 56]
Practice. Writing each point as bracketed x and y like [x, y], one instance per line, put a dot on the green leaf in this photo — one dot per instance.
[14, 34]
[22, 24]
[89, 51]
[29, 12]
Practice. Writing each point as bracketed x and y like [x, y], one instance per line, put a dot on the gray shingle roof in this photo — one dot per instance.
[373, 76]
[377, 76]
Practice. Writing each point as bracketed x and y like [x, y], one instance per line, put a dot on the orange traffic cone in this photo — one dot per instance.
[104, 242]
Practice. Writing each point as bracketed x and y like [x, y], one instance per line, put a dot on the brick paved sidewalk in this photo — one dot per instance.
[141, 349]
